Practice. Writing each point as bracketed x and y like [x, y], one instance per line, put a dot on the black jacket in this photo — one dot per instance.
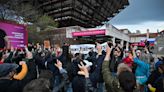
[156, 80]
[7, 85]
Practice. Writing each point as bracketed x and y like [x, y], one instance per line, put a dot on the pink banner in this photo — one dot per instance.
[142, 44]
[16, 33]
[89, 33]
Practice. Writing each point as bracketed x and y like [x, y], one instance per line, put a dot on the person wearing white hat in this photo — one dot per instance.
[138, 53]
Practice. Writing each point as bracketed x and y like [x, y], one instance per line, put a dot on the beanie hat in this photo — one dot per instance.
[127, 61]
[6, 68]
[157, 64]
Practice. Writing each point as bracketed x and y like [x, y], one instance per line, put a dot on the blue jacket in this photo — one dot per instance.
[142, 68]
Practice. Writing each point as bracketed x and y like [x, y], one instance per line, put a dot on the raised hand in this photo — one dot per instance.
[83, 70]
[22, 62]
[58, 64]
[29, 55]
[108, 51]
[146, 49]
[99, 48]
[37, 46]
[133, 51]
[26, 49]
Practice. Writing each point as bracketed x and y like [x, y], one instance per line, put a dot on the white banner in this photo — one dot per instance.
[85, 48]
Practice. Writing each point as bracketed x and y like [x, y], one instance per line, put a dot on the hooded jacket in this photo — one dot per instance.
[142, 68]
[142, 71]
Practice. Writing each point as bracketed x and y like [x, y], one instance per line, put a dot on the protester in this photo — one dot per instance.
[42, 84]
[84, 71]
[58, 50]
[124, 74]
[38, 85]
[56, 70]
[147, 57]
[155, 80]
[142, 71]
[116, 58]
[7, 75]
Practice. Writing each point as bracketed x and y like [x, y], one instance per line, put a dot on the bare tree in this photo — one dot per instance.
[18, 9]
[4, 10]
[24, 10]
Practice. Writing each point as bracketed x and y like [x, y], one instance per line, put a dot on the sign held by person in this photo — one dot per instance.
[47, 44]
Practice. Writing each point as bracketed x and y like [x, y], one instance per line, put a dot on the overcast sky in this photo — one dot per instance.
[141, 15]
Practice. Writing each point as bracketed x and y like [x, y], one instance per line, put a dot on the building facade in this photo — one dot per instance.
[85, 13]
[159, 44]
[77, 35]
[135, 38]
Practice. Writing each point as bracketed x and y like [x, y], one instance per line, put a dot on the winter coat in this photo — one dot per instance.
[96, 75]
[156, 79]
[7, 85]
[142, 68]
[142, 71]
[111, 82]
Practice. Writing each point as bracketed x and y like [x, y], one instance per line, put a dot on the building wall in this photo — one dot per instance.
[137, 39]
[159, 45]
[114, 32]
[59, 36]
[110, 31]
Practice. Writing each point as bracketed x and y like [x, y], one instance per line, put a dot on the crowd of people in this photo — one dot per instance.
[55, 69]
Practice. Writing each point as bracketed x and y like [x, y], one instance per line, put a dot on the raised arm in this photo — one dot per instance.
[84, 71]
[107, 76]
[133, 52]
[64, 75]
[108, 52]
[23, 72]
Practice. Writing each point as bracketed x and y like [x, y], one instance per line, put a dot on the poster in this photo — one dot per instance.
[15, 33]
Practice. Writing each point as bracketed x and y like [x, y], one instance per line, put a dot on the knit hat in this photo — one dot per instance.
[157, 64]
[128, 61]
[6, 68]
